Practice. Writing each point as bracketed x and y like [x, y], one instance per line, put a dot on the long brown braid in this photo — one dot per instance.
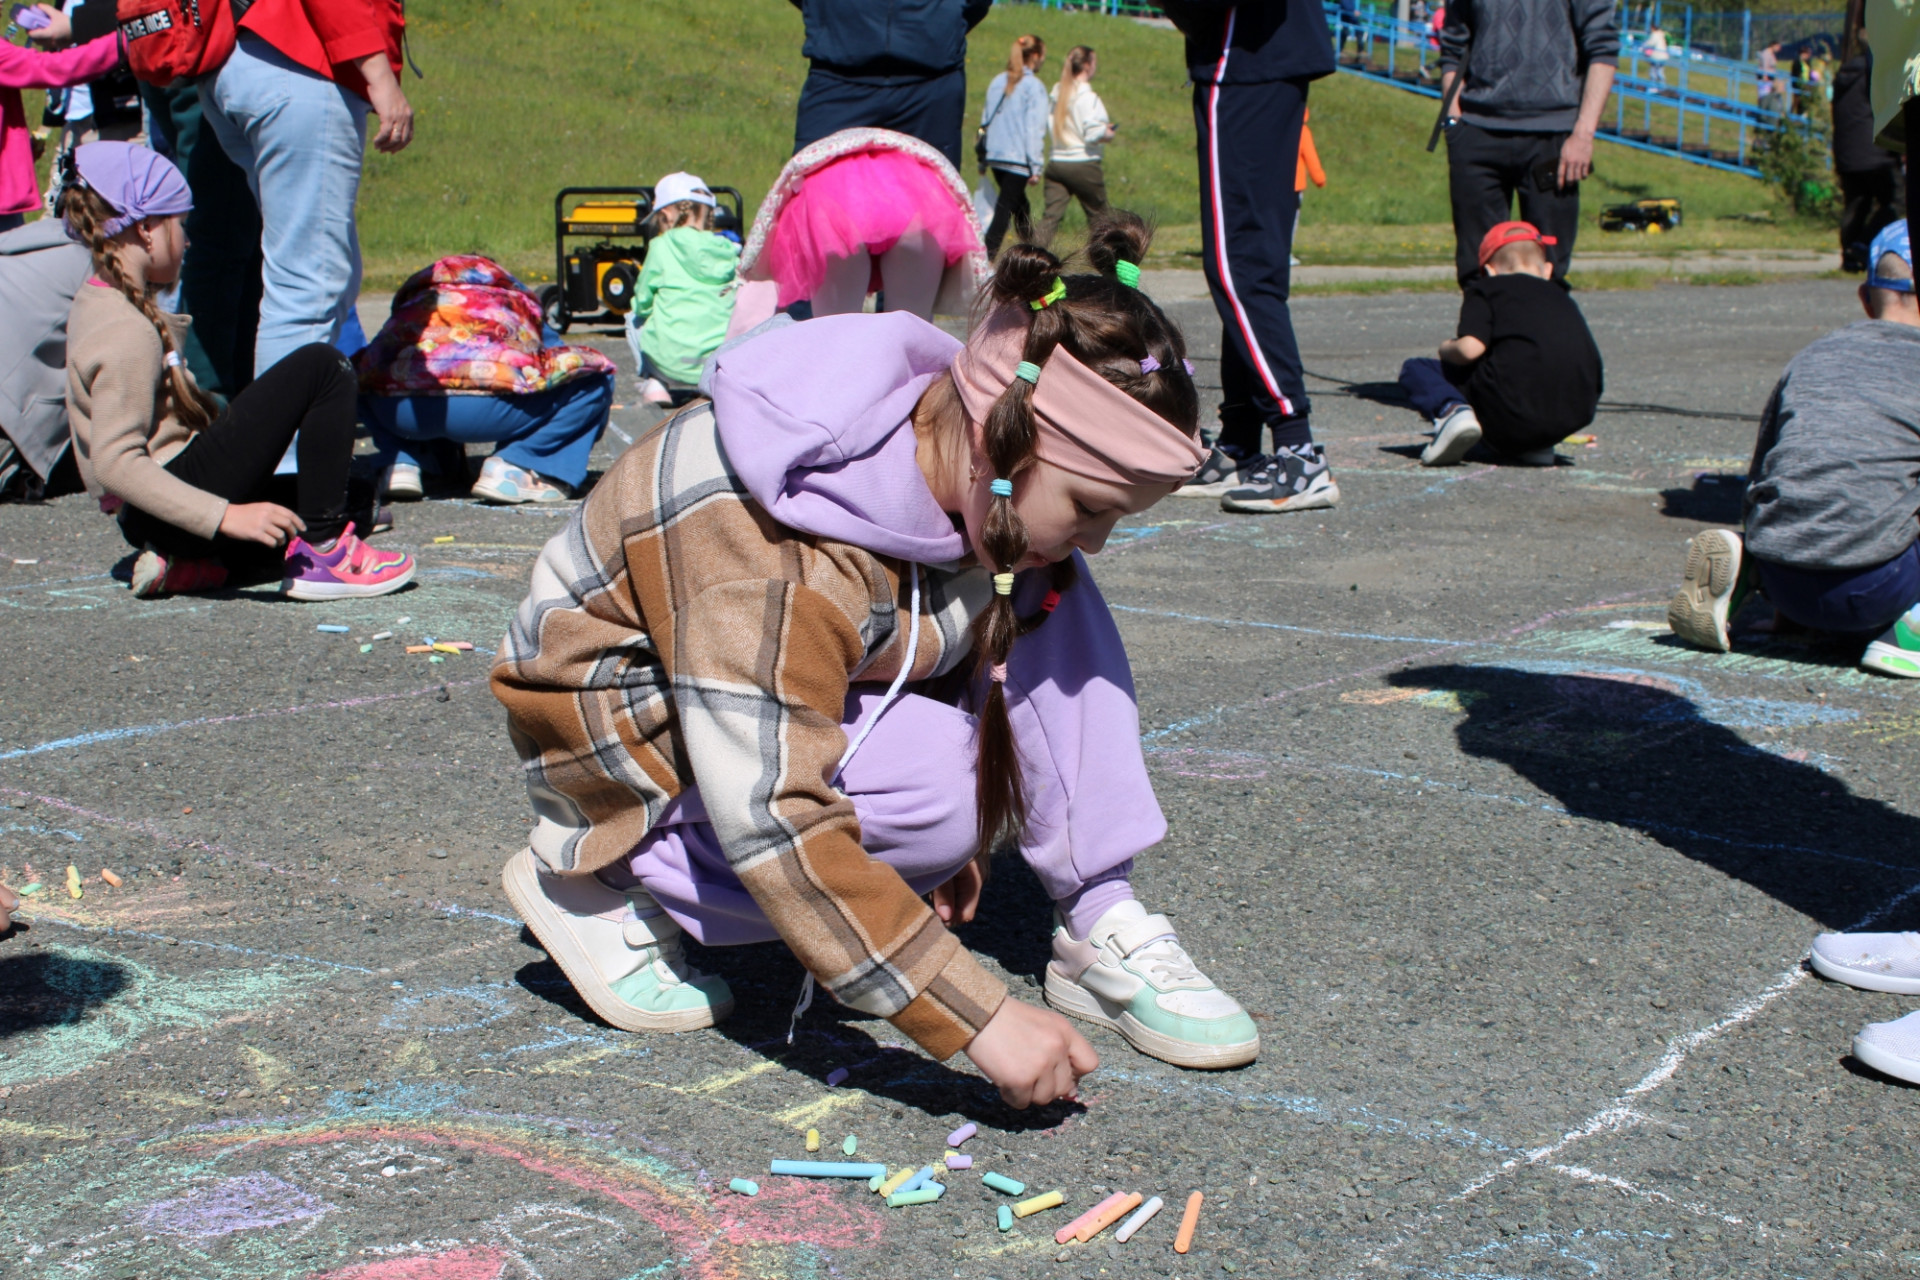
[87, 212]
[1111, 328]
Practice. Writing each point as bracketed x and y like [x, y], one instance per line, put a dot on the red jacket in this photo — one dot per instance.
[329, 36]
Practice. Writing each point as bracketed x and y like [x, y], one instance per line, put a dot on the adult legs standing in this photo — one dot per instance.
[1066, 180]
[299, 137]
[1485, 171]
[1012, 208]
[220, 280]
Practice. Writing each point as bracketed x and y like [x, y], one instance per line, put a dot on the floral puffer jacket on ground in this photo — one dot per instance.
[465, 325]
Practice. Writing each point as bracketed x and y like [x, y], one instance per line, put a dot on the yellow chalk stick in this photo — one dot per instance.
[1027, 1208]
[446, 648]
[813, 1139]
[1109, 1216]
[111, 878]
[446, 538]
[892, 1184]
[1188, 1221]
[73, 881]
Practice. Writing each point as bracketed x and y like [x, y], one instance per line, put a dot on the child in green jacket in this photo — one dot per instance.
[680, 305]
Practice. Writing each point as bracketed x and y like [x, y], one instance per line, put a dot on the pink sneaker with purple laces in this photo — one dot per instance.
[351, 568]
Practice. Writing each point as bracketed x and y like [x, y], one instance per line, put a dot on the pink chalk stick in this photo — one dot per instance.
[959, 1162]
[961, 1134]
[1072, 1229]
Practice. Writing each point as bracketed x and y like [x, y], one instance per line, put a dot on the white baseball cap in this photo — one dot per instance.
[676, 187]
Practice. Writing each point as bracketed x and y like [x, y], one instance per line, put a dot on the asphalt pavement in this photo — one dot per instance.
[1517, 887]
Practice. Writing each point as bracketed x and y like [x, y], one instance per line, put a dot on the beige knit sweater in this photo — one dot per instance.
[121, 409]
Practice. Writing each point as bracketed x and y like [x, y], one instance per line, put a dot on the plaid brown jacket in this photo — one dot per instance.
[674, 633]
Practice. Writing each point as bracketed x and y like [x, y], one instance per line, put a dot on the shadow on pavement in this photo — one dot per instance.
[1628, 749]
[1717, 498]
[53, 990]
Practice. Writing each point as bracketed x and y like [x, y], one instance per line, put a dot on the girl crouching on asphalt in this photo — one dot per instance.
[821, 645]
[193, 481]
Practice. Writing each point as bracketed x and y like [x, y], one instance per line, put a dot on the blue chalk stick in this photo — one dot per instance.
[917, 1181]
[333, 628]
[1006, 1217]
[826, 1168]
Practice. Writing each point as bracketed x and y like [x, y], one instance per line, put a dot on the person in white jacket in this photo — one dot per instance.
[1081, 131]
[1014, 121]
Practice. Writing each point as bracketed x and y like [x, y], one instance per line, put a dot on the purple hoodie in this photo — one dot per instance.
[816, 422]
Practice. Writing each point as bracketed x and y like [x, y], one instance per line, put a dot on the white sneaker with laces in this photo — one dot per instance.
[403, 483]
[1891, 1048]
[1453, 436]
[501, 481]
[621, 952]
[1132, 975]
[1870, 961]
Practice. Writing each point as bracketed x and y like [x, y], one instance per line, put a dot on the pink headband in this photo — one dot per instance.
[1087, 425]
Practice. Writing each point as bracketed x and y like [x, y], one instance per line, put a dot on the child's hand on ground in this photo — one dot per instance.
[956, 901]
[1033, 1055]
[260, 522]
[9, 903]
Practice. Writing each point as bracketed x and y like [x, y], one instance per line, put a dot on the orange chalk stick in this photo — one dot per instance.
[419, 648]
[1188, 1221]
[1108, 1216]
[1072, 1229]
[111, 878]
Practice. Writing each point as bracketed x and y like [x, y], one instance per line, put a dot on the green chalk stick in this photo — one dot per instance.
[925, 1195]
[1006, 1217]
[366, 648]
[28, 890]
[851, 1145]
[745, 1186]
[1000, 1182]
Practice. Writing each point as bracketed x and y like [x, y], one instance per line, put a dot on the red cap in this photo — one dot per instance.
[1509, 233]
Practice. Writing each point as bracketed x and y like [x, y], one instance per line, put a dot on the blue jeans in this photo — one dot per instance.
[299, 138]
[1427, 383]
[1862, 602]
[551, 433]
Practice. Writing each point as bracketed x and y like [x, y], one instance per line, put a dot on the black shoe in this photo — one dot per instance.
[1223, 471]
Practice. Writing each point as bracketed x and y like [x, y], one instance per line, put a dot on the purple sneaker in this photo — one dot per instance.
[351, 568]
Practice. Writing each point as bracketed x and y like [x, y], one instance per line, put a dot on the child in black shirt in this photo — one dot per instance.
[1523, 373]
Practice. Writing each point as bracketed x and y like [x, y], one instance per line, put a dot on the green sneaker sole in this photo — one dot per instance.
[1074, 1000]
[1891, 661]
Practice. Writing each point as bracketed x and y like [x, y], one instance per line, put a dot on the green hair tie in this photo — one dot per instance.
[1054, 295]
[1127, 273]
[1027, 371]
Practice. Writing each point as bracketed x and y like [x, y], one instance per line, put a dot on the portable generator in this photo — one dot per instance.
[1653, 215]
[595, 281]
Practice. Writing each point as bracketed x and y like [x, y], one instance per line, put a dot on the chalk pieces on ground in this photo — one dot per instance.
[111, 878]
[1039, 1204]
[961, 1134]
[1002, 1183]
[1072, 1229]
[957, 1161]
[826, 1169]
[894, 1183]
[419, 648]
[836, 1077]
[1188, 1221]
[851, 1145]
[1139, 1219]
[745, 1186]
[382, 635]
[813, 1139]
[444, 538]
[73, 881]
[333, 628]
[1004, 1216]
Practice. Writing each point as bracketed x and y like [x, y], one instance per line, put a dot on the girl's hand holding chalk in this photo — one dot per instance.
[1033, 1055]
[262, 522]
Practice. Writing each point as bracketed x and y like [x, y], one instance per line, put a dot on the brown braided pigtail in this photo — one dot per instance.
[86, 212]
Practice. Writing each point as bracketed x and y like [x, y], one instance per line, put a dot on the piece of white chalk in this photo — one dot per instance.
[333, 628]
[961, 1134]
[383, 635]
[1139, 1219]
[836, 1076]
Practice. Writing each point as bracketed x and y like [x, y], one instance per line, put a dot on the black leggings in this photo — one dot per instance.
[311, 391]
[1011, 207]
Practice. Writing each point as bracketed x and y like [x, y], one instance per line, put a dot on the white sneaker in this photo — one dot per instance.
[501, 481]
[620, 951]
[402, 483]
[654, 391]
[1870, 961]
[1891, 1048]
[1453, 436]
[1133, 976]
[1712, 590]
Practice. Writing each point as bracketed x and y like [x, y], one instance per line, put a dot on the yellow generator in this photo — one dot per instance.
[595, 281]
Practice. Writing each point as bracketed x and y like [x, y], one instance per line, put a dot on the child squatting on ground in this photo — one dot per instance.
[909, 517]
[683, 299]
[195, 483]
[1523, 373]
[1832, 498]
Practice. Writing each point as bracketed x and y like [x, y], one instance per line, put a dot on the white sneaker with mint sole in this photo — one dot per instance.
[1133, 976]
[620, 951]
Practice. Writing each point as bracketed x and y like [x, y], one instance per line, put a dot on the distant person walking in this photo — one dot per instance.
[1537, 76]
[1081, 131]
[1655, 47]
[887, 64]
[1015, 118]
[1768, 80]
[1250, 64]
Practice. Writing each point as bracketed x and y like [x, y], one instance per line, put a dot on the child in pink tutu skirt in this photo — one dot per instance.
[857, 212]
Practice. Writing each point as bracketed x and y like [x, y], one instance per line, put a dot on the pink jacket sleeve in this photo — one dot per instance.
[31, 69]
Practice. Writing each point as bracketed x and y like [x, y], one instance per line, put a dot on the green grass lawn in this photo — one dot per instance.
[523, 98]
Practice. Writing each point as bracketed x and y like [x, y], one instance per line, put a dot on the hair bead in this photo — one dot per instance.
[173, 360]
[1188, 364]
[998, 672]
[1001, 487]
[1149, 365]
[1127, 273]
[1027, 371]
[1003, 584]
[1052, 295]
[1051, 602]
